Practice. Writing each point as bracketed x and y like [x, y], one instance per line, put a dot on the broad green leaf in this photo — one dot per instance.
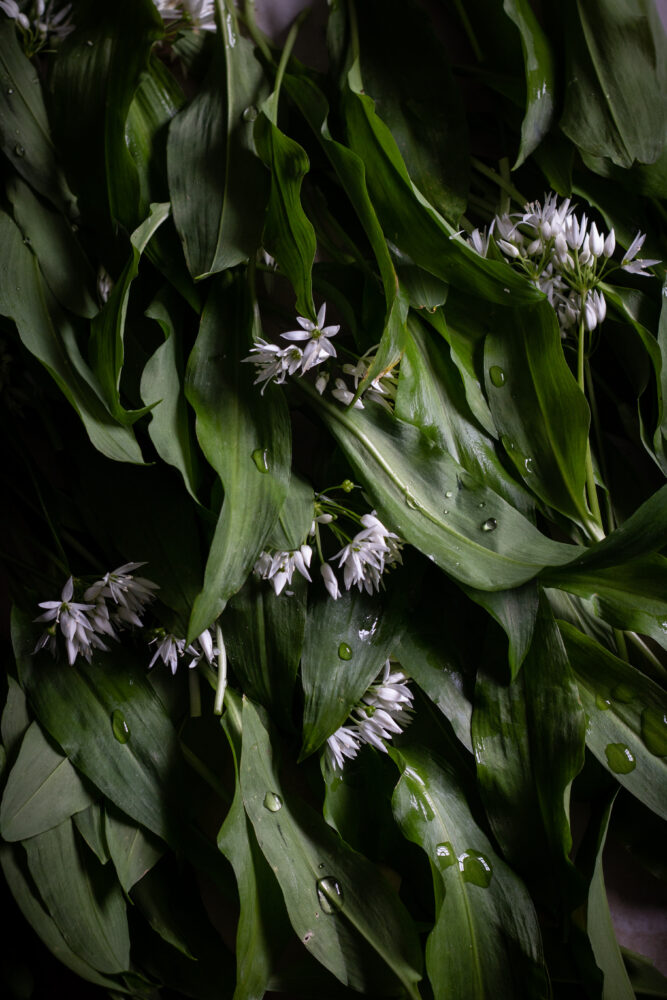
[540, 412]
[292, 528]
[62, 261]
[263, 635]
[97, 71]
[515, 611]
[339, 904]
[660, 437]
[108, 328]
[42, 790]
[627, 718]
[132, 849]
[481, 540]
[25, 135]
[528, 738]
[46, 333]
[288, 232]
[90, 824]
[217, 185]
[83, 898]
[631, 596]
[540, 73]
[409, 221]
[261, 933]
[616, 80]
[346, 644]
[76, 706]
[162, 380]
[245, 435]
[22, 888]
[421, 105]
[486, 939]
[15, 718]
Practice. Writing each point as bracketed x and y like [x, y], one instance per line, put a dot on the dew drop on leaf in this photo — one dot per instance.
[445, 854]
[620, 758]
[497, 376]
[602, 703]
[260, 457]
[490, 524]
[272, 802]
[19, 150]
[654, 731]
[623, 693]
[329, 894]
[119, 726]
[449, 494]
[528, 464]
[475, 868]
[344, 651]
[250, 114]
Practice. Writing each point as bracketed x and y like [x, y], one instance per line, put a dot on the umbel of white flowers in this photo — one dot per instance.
[561, 254]
[39, 21]
[363, 560]
[383, 712]
[198, 13]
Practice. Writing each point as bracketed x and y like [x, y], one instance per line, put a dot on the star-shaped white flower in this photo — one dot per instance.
[318, 347]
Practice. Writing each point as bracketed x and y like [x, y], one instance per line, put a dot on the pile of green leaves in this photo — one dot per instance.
[158, 849]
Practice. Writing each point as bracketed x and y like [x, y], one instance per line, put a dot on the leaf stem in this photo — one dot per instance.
[222, 672]
[591, 489]
[503, 183]
[247, 15]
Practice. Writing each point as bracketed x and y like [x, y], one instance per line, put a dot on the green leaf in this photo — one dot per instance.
[83, 898]
[288, 232]
[528, 738]
[296, 517]
[421, 105]
[481, 541]
[162, 381]
[33, 910]
[108, 327]
[627, 718]
[65, 267]
[346, 644]
[42, 790]
[486, 939]
[132, 849]
[367, 940]
[75, 706]
[616, 80]
[516, 612]
[263, 926]
[538, 408]
[245, 435]
[540, 77]
[217, 185]
[46, 333]
[263, 636]
[90, 824]
[15, 718]
[25, 136]
[97, 71]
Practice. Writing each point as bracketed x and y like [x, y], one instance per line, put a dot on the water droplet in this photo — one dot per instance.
[260, 457]
[449, 494]
[529, 465]
[445, 854]
[119, 726]
[321, 864]
[654, 731]
[620, 758]
[481, 504]
[250, 114]
[329, 894]
[506, 291]
[602, 703]
[490, 524]
[90, 43]
[27, 241]
[411, 502]
[19, 150]
[508, 443]
[475, 868]
[273, 802]
[497, 376]
[307, 936]
[445, 511]
[10, 90]
[344, 651]
[623, 693]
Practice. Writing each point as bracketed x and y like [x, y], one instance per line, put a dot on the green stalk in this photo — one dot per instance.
[222, 672]
[591, 489]
[503, 183]
[468, 28]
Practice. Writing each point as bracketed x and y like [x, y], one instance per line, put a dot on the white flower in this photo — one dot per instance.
[345, 742]
[479, 239]
[381, 390]
[637, 266]
[199, 13]
[318, 347]
[330, 580]
[279, 567]
[11, 9]
[169, 650]
[273, 363]
[129, 593]
[365, 557]
[344, 396]
[72, 618]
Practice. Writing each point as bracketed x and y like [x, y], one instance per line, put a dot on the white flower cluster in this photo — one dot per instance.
[275, 363]
[363, 559]
[381, 390]
[171, 649]
[564, 256]
[39, 21]
[197, 13]
[383, 712]
[114, 602]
